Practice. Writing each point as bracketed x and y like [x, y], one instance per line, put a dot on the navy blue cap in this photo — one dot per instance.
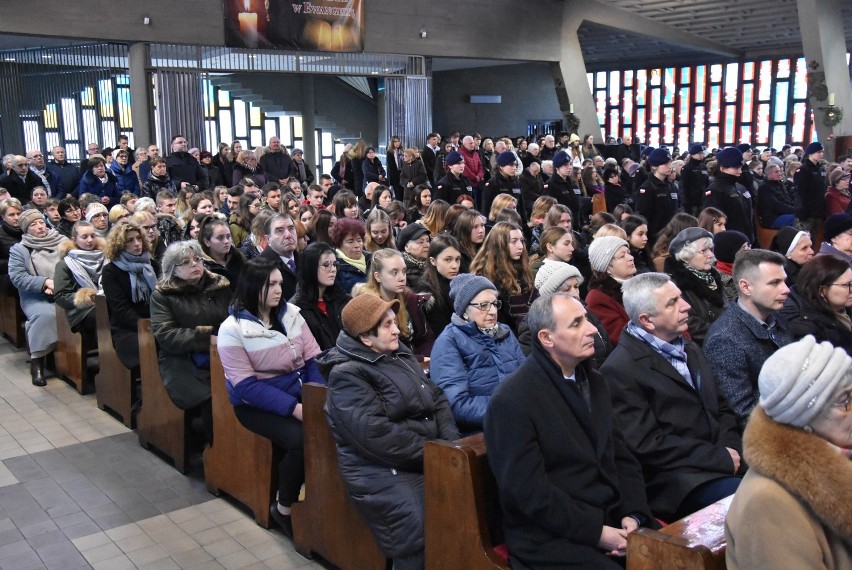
[506, 158]
[560, 159]
[454, 157]
[730, 157]
[646, 151]
[659, 156]
[697, 148]
[744, 147]
[813, 148]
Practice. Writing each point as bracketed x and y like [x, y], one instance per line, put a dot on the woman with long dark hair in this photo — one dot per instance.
[240, 221]
[636, 228]
[220, 255]
[443, 266]
[265, 382]
[319, 298]
[470, 231]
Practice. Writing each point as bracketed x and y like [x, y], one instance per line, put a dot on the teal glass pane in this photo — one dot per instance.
[669, 86]
[779, 136]
[683, 138]
[700, 83]
[655, 105]
[600, 104]
[728, 134]
[781, 91]
[683, 115]
[641, 123]
[745, 133]
[748, 71]
[715, 108]
[641, 86]
[765, 81]
[800, 80]
[654, 136]
[746, 102]
[713, 137]
[628, 78]
[685, 74]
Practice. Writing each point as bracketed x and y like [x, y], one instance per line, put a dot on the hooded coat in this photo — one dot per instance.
[382, 409]
[799, 485]
[183, 317]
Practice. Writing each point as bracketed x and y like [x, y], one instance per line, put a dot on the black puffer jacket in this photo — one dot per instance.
[803, 318]
[324, 327]
[706, 304]
[382, 409]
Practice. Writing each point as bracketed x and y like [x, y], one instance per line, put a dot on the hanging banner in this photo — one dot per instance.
[318, 25]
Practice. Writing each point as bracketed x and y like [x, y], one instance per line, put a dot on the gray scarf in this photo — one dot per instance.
[142, 276]
[86, 266]
[44, 252]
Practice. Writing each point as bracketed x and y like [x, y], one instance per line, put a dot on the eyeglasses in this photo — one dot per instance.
[843, 404]
[847, 285]
[486, 306]
[330, 265]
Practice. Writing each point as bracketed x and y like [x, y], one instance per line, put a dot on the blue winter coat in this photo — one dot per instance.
[468, 364]
[90, 184]
[125, 178]
[348, 275]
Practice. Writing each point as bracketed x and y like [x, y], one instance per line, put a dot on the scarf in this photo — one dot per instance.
[44, 252]
[86, 266]
[706, 277]
[142, 276]
[360, 264]
[302, 175]
[726, 268]
[411, 260]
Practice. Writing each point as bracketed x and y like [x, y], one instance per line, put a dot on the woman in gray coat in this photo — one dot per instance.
[31, 266]
[187, 308]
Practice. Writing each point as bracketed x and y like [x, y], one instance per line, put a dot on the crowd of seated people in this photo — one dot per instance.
[658, 312]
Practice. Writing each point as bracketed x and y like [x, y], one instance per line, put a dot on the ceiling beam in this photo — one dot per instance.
[596, 12]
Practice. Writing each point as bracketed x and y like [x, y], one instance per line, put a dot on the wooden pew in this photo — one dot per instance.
[326, 522]
[462, 506]
[114, 383]
[240, 462]
[71, 353]
[160, 424]
[696, 542]
[12, 319]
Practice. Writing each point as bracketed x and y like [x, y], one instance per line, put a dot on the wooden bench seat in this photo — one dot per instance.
[12, 319]
[240, 462]
[72, 353]
[696, 542]
[114, 383]
[326, 522]
[160, 424]
[462, 506]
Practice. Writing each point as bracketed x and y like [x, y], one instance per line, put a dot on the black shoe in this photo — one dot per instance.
[284, 522]
[37, 371]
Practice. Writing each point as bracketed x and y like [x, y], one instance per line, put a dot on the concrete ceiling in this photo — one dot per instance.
[758, 28]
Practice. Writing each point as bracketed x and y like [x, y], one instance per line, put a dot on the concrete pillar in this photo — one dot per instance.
[572, 87]
[823, 42]
[309, 123]
[11, 132]
[140, 94]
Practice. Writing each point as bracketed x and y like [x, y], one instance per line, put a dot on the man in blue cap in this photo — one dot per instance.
[454, 183]
[810, 182]
[561, 187]
[695, 178]
[657, 198]
[728, 195]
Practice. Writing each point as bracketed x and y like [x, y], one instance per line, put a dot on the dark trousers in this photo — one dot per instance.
[286, 434]
[708, 493]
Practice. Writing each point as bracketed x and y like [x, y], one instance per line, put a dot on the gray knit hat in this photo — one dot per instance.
[27, 217]
[465, 287]
[553, 274]
[801, 379]
[602, 250]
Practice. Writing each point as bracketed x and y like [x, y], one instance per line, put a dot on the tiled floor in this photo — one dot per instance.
[77, 491]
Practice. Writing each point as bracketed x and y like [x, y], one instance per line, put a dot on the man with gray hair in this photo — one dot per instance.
[666, 403]
[20, 180]
[569, 488]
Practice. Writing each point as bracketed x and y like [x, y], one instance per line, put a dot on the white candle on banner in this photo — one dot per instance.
[248, 24]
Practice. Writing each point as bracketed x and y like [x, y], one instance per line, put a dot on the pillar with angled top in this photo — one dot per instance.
[140, 94]
[823, 42]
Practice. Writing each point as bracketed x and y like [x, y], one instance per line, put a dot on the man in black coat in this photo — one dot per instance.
[569, 488]
[561, 187]
[429, 154]
[728, 195]
[695, 179]
[67, 173]
[184, 170]
[532, 186]
[674, 419]
[21, 180]
[810, 183]
[280, 231]
[276, 162]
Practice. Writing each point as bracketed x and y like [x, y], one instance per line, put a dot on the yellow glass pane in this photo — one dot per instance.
[297, 127]
[254, 116]
[50, 118]
[88, 96]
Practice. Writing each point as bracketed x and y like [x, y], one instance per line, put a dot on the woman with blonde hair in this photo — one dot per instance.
[387, 279]
[503, 260]
[470, 231]
[378, 232]
[435, 215]
[247, 167]
[500, 202]
[412, 174]
[117, 213]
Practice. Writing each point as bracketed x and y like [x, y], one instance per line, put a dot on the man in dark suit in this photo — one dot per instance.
[280, 231]
[569, 488]
[20, 180]
[673, 417]
[429, 154]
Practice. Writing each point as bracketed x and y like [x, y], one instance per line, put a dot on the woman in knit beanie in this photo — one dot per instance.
[475, 352]
[612, 265]
[727, 243]
[793, 508]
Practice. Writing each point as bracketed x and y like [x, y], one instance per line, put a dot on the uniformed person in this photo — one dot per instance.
[695, 179]
[561, 187]
[657, 198]
[505, 181]
[454, 183]
[728, 195]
